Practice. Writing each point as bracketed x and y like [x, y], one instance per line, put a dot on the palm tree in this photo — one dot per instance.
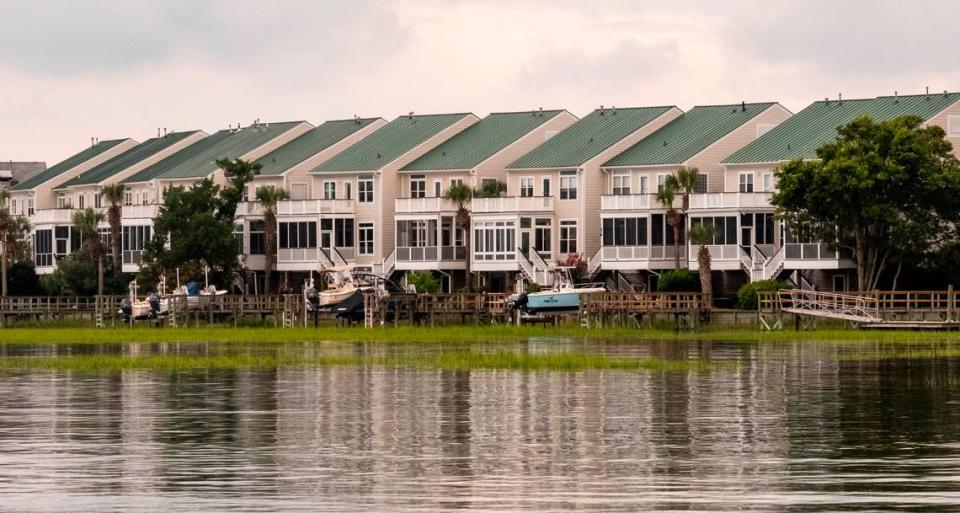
[113, 193]
[5, 219]
[490, 189]
[16, 246]
[461, 194]
[702, 235]
[665, 197]
[268, 197]
[684, 181]
[87, 221]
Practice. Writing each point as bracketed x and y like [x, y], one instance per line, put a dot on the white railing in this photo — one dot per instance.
[625, 253]
[315, 206]
[300, 255]
[431, 253]
[139, 211]
[830, 305]
[731, 200]
[627, 201]
[512, 204]
[811, 251]
[773, 264]
[526, 267]
[52, 216]
[595, 262]
[722, 252]
[541, 268]
[424, 205]
[389, 263]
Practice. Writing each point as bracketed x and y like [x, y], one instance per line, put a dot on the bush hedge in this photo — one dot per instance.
[747, 295]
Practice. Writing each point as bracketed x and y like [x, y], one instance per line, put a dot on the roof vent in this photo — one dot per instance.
[840, 98]
[410, 116]
[444, 153]
[613, 110]
[896, 97]
[664, 143]
[591, 140]
[743, 106]
[788, 147]
[944, 93]
[541, 108]
[928, 91]
[601, 112]
[356, 119]
[379, 156]
[826, 100]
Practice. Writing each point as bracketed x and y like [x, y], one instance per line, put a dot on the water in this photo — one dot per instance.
[781, 427]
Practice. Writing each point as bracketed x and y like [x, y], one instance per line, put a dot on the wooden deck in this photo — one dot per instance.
[910, 309]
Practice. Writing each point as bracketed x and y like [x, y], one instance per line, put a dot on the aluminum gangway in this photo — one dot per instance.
[830, 305]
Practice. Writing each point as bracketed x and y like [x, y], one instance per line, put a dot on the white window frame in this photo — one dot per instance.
[365, 238]
[365, 189]
[568, 186]
[643, 182]
[128, 198]
[745, 182]
[30, 206]
[526, 186]
[418, 186]
[347, 189]
[546, 187]
[456, 181]
[329, 190]
[621, 183]
[767, 181]
[564, 236]
[437, 188]
[81, 201]
[661, 181]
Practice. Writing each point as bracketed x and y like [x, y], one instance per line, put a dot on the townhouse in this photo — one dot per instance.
[186, 167]
[776, 252]
[287, 168]
[553, 200]
[361, 232]
[637, 242]
[52, 228]
[428, 236]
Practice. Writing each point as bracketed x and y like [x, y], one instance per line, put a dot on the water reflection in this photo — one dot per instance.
[790, 427]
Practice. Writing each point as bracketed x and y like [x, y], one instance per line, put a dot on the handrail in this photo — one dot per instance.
[593, 265]
[337, 257]
[526, 266]
[389, 263]
[830, 305]
[772, 265]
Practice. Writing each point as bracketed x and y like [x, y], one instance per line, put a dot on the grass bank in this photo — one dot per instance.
[443, 334]
[465, 360]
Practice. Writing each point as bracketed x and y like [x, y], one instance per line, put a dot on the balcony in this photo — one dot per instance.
[424, 205]
[512, 204]
[627, 201]
[139, 211]
[52, 216]
[640, 257]
[731, 200]
[302, 207]
[431, 257]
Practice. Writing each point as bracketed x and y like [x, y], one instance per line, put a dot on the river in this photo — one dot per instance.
[801, 426]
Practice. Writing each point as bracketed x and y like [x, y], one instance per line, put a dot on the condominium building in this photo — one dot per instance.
[370, 193]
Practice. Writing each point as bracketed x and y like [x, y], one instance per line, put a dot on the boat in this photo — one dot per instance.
[151, 307]
[195, 295]
[346, 292]
[562, 298]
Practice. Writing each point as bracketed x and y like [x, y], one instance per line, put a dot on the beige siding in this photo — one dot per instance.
[941, 120]
[592, 186]
[44, 197]
[494, 167]
[708, 160]
[732, 175]
[298, 173]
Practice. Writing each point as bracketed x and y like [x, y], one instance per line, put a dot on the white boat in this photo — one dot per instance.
[563, 297]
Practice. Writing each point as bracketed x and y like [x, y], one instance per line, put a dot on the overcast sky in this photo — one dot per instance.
[70, 70]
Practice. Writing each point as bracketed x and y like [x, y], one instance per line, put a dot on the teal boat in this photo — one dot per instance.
[562, 298]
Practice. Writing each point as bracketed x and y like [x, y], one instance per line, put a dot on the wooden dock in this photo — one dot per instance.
[912, 310]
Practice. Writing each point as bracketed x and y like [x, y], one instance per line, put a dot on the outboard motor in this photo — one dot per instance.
[313, 299]
[126, 309]
[154, 301]
[521, 302]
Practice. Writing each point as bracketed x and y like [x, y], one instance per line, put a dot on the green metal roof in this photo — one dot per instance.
[172, 161]
[801, 135]
[117, 164]
[679, 140]
[309, 144]
[389, 142]
[235, 145]
[588, 137]
[481, 140]
[66, 165]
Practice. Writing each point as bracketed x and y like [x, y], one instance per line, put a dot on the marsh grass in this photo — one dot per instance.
[444, 334]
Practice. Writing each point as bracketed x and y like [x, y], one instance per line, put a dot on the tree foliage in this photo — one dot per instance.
[269, 197]
[424, 281]
[193, 229]
[114, 193]
[882, 191]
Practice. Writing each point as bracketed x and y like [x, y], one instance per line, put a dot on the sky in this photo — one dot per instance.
[72, 70]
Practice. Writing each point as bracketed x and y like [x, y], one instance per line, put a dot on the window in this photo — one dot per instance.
[343, 233]
[526, 187]
[347, 190]
[80, 201]
[418, 186]
[43, 248]
[238, 236]
[767, 181]
[763, 227]
[541, 237]
[298, 235]
[128, 198]
[365, 236]
[301, 191]
[644, 185]
[568, 237]
[258, 238]
[700, 187]
[545, 182]
[724, 228]
[329, 190]
[568, 185]
[246, 193]
[145, 199]
[494, 240]
[661, 182]
[953, 126]
[365, 189]
[30, 206]
[661, 233]
[746, 182]
[62, 201]
[456, 181]
[621, 184]
[417, 233]
[134, 240]
[437, 189]
[97, 201]
[13, 207]
[625, 231]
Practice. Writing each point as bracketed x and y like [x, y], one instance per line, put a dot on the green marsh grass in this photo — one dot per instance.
[444, 334]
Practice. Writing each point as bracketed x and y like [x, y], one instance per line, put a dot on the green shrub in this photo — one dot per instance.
[22, 279]
[424, 281]
[532, 287]
[679, 280]
[747, 295]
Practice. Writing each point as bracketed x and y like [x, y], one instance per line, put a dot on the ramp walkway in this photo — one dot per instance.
[830, 305]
